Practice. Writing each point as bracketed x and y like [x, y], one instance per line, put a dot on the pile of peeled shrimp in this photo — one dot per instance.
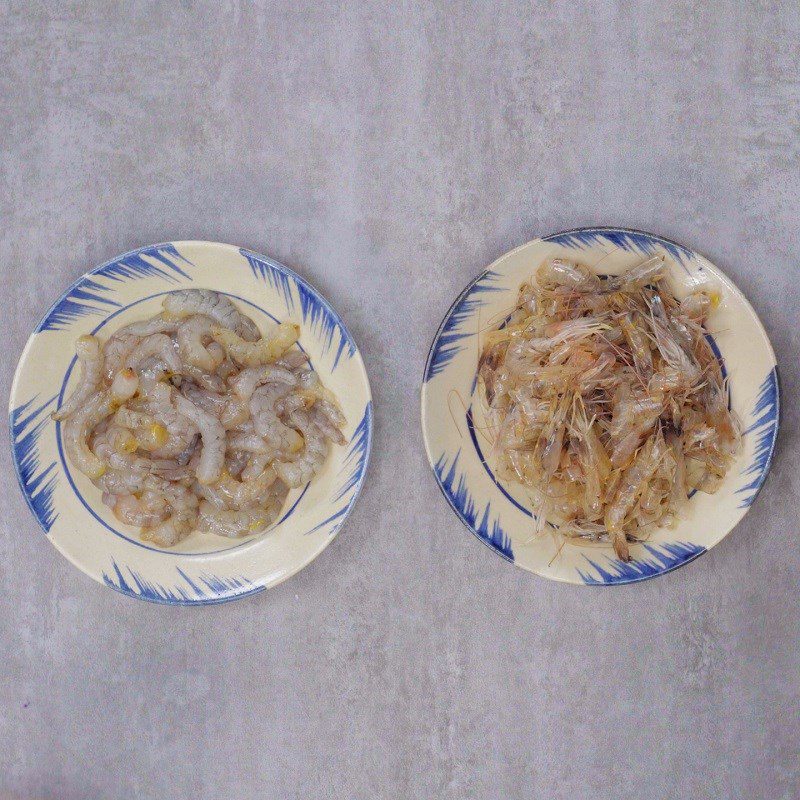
[606, 401]
[191, 420]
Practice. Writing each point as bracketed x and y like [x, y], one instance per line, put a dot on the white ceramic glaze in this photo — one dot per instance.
[499, 512]
[203, 568]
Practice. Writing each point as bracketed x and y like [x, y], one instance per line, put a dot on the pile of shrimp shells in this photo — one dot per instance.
[606, 401]
[191, 420]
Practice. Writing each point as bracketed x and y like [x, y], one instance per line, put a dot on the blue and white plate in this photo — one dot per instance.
[497, 512]
[203, 568]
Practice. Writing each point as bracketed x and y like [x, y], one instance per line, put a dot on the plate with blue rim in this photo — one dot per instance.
[203, 568]
[499, 512]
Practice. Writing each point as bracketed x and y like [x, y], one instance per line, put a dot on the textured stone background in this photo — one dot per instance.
[389, 151]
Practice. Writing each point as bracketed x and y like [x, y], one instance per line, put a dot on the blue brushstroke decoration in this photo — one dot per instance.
[139, 264]
[324, 322]
[481, 524]
[203, 590]
[337, 515]
[765, 429]
[665, 557]
[38, 482]
[316, 312]
[631, 241]
[356, 459]
[89, 297]
[273, 274]
[447, 343]
[84, 299]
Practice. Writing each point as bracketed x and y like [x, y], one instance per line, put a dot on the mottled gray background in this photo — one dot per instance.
[389, 151]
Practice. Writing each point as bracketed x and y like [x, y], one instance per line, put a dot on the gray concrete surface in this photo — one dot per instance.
[389, 151]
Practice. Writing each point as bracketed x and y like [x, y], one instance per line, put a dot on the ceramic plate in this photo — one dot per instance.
[203, 568]
[497, 512]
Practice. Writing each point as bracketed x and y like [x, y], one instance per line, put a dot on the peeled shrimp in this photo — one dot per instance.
[210, 401]
[266, 421]
[90, 358]
[170, 532]
[147, 327]
[157, 345]
[96, 408]
[149, 434]
[237, 523]
[256, 464]
[296, 473]
[230, 493]
[292, 360]
[212, 436]
[191, 335]
[249, 379]
[235, 413]
[193, 405]
[262, 351]
[236, 462]
[148, 510]
[116, 448]
[252, 443]
[186, 302]
[325, 417]
[205, 380]
[181, 432]
[116, 351]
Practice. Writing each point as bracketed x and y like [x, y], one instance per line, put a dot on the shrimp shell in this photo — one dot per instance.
[603, 397]
[631, 485]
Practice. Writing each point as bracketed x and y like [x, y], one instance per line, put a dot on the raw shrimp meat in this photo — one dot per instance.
[192, 420]
[189, 302]
[606, 400]
[262, 351]
[90, 357]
